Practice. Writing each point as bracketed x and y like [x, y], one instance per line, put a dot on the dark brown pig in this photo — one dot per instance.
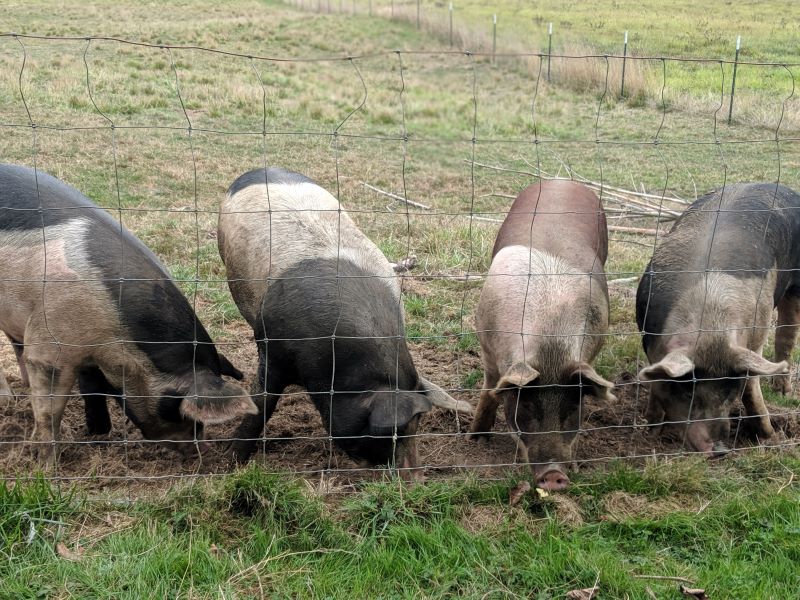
[327, 314]
[704, 306]
[89, 302]
[541, 320]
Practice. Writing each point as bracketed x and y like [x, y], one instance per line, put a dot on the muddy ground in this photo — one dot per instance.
[297, 440]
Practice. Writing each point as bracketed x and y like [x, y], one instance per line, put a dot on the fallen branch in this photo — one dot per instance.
[396, 197]
[611, 193]
[639, 230]
[577, 176]
[622, 280]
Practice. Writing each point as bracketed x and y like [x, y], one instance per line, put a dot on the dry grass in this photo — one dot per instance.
[585, 67]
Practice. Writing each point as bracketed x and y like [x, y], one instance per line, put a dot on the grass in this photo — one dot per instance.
[256, 534]
[675, 29]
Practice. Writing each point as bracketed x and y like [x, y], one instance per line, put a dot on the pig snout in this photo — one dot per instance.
[408, 465]
[700, 438]
[188, 448]
[551, 477]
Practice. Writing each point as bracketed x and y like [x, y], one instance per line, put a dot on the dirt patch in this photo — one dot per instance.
[297, 441]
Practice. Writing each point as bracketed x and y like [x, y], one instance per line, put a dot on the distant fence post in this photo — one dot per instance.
[417, 14]
[549, 48]
[370, 8]
[451, 24]
[733, 82]
[392, 13]
[624, 60]
[494, 38]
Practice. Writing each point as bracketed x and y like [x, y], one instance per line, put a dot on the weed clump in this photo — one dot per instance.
[278, 503]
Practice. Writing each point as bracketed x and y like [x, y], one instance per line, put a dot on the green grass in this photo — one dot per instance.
[672, 28]
[732, 528]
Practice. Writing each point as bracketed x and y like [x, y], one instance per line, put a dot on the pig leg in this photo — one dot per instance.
[655, 413]
[95, 390]
[486, 413]
[785, 337]
[5, 389]
[50, 390]
[23, 371]
[266, 394]
[755, 408]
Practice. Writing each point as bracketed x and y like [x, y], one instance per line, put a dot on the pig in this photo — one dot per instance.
[82, 299]
[327, 315]
[541, 319]
[704, 307]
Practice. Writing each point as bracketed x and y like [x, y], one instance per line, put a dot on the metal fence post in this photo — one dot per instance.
[624, 60]
[451, 24]
[494, 38]
[733, 82]
[549, 48]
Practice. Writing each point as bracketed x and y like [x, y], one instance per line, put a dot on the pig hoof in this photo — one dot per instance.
[411, 476]
[46, 456]
[242, 451]
[782, 384]
[552, 481]
[719, 449]
[478, 436]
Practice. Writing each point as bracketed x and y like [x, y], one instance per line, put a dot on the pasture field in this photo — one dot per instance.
[671, 29]
[156, 134]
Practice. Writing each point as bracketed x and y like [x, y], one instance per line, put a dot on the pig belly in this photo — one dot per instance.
[29, 272]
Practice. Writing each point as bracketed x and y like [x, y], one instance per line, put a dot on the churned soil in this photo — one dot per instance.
[297, 441]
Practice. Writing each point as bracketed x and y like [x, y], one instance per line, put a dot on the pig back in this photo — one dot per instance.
[115, 282]
[563, 218]
[742, 230]
[272, 219]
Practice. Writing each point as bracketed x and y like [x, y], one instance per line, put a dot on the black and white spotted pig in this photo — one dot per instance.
[705, 303]
[88, 301]
[326, 311]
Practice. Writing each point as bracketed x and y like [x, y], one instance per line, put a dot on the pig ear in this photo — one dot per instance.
[673, 365]
[227, 368]
[439, 397]
[389, 411]
[215, 401]
[519, 375]
[752, 363]
[585, 374]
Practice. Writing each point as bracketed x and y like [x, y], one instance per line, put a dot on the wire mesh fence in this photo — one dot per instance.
[418, 157]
